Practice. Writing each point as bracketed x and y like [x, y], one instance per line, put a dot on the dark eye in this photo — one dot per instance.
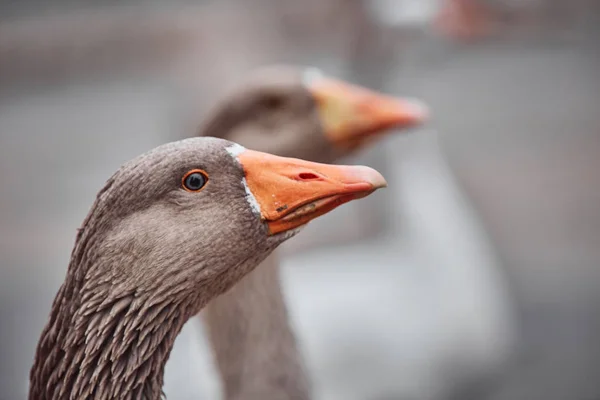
[273, 102]
[194, 180]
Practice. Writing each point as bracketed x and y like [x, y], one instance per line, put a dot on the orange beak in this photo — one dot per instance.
[291, 192]
[351, 114]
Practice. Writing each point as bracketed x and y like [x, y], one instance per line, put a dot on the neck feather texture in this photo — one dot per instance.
[103, 340]
[104, 348]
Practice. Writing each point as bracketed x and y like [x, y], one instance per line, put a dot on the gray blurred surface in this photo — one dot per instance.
[530, 166]
[423, 309]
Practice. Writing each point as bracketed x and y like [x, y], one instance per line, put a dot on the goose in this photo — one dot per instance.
[170, 230]
[295, 112]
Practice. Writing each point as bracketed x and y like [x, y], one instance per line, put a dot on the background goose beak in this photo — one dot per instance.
[291, 192]
[350, 114]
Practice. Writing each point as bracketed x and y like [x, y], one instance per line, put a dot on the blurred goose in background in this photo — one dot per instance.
[169, 231]
[293, 112]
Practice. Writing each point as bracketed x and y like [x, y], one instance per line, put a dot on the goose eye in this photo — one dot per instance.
[273, 102]
[194, 180]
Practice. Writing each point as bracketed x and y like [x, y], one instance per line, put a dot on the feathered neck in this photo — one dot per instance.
[254, 344]
[103, 340]
[104, 347]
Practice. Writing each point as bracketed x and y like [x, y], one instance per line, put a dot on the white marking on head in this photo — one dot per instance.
[235, 150]
[251, 199]
[311, 75]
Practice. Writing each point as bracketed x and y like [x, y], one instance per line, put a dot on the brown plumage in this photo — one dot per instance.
[290, 112]
[152, 252]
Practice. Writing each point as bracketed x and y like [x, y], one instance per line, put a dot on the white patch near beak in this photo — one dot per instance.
[311, 75]
[251, 199]
[235, 150]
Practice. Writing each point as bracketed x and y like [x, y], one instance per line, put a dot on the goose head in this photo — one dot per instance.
[301, 112]
[170, 230]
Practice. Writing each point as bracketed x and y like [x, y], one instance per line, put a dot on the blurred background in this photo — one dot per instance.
[476, 275]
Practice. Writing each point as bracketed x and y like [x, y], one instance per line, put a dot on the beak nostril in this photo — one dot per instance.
[308, 176]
